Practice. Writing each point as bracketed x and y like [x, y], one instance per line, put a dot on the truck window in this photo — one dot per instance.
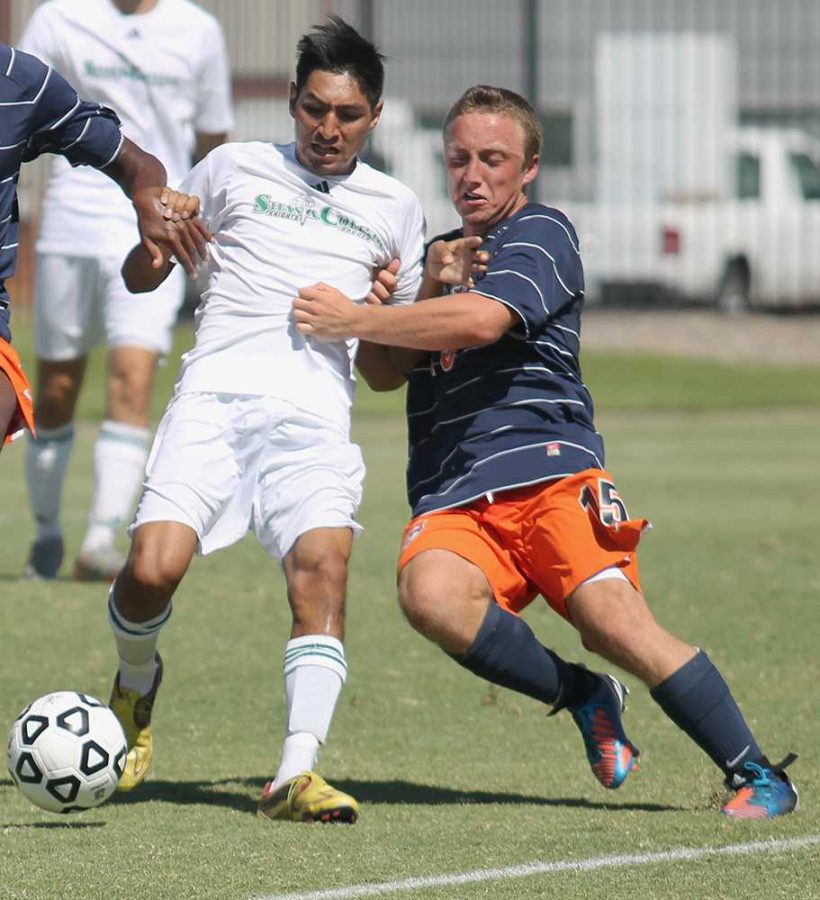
[808, 175]
[748, 176]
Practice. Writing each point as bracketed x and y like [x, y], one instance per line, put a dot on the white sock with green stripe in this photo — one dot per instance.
[119, 467]
[136, 645]
[315, 670]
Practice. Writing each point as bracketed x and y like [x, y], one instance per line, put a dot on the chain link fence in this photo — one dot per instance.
[645, 104]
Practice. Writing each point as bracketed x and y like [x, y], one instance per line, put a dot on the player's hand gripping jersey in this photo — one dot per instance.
[277, 228]
[470, 435]
[166, 74]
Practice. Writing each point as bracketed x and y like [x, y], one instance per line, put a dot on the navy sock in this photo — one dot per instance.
[507, 653]
[698, 701]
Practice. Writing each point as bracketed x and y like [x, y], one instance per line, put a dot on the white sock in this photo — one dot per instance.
[46, 462]
[119, 467]
[315, 670]
[136, 646]
[299, 754]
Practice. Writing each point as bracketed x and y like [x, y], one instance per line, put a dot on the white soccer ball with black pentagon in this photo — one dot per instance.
[66, 752]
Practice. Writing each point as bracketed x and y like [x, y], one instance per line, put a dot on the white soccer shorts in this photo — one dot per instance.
[225, 464]
[82, 301]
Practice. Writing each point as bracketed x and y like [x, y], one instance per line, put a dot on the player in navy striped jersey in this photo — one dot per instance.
[506, 473]
[41, 113]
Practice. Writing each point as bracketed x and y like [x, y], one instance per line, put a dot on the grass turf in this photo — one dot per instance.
[452, 775]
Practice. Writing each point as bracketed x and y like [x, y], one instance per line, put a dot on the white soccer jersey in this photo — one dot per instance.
[165, 73]
[278, 228]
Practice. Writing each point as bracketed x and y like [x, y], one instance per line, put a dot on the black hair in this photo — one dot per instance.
[337, 47]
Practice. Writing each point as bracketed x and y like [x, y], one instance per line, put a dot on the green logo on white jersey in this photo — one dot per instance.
[128, 70]
[305, 208]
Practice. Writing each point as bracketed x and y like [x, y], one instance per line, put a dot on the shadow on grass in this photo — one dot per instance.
[394, 793]
[62, 822]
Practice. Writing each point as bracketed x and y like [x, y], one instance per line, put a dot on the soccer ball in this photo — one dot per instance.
[66, 752]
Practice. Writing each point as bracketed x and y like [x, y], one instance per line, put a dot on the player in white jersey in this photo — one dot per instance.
[162, 65]
[256, 436]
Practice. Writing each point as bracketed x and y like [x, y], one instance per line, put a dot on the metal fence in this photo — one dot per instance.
[640, 99]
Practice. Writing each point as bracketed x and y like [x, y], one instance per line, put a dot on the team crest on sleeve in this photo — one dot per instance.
[447, 358]
[412, 534]
[553, 449]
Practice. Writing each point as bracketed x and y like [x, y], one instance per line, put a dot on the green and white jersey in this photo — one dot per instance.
[165, 73]
[278, 228]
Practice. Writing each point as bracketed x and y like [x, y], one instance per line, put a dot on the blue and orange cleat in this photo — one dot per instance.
[761, 791]
[610, 753]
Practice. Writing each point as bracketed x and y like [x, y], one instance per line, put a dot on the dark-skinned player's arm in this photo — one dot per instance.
[144, 270]
[168, 228]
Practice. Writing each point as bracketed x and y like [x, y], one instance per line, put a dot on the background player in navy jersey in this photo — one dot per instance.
[41, 113]
[506, 473]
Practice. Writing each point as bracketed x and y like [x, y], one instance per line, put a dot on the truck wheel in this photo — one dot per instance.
[733, 293]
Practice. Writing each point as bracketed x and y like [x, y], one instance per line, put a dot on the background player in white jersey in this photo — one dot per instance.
[162, 65]
[40, 112]
[256, 436]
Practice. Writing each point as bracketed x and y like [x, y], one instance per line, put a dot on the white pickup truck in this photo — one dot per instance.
[757, 247]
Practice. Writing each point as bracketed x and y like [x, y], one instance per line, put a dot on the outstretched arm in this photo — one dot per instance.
[440, 323]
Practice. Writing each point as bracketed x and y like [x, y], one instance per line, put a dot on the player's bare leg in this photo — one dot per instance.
[58, 386]
[139, 605]
[450, 601]
[445, 598]
[615, 622]
[8, 405]
[120, 453]
[315, 670]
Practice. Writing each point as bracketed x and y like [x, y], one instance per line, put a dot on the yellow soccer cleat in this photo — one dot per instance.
[134, 713]
[307, 798]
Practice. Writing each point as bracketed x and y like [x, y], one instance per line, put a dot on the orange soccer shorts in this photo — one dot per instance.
[24, 417]
[544, 539]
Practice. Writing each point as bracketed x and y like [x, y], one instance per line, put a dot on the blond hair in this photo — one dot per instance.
[486, 98]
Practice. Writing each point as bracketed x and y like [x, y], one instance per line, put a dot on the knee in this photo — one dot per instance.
[148, 579]
[315, 574]
[54, 404]
[422, 600]
[611, 615]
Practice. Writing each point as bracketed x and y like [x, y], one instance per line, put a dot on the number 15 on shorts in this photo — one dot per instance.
[608, 506]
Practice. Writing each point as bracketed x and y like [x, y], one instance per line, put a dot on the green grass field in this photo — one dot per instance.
[454, 777]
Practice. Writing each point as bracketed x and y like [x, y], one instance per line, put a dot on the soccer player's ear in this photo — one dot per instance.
[377, 112]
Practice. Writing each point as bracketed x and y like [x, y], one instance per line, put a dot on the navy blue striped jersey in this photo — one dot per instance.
[41, 113]
[515, 412]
